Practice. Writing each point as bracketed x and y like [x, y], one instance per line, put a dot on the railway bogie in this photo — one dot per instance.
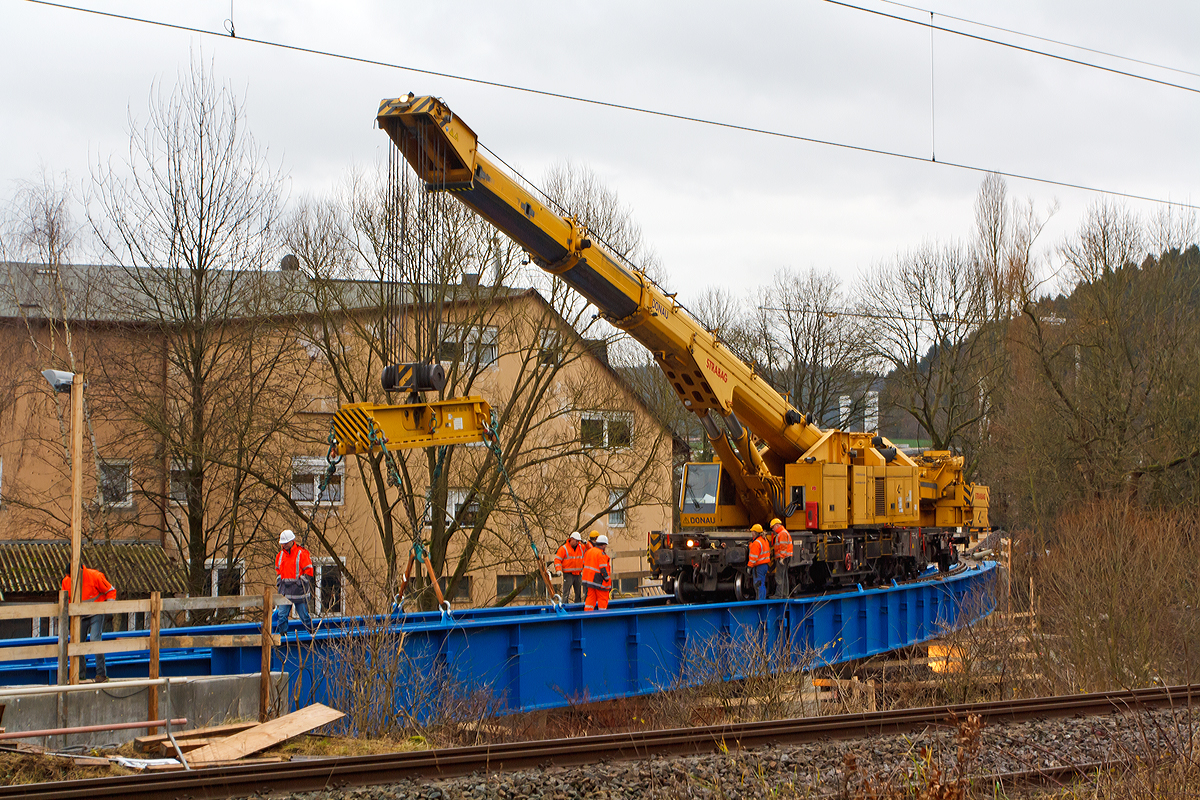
[713, 567]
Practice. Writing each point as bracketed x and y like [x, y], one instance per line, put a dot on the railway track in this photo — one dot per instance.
[325, 773]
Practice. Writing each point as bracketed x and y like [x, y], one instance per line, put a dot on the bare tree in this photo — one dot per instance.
[419, 258]
[193, 358]
[810, 348]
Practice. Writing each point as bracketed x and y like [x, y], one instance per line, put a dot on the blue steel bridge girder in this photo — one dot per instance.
[534, 657]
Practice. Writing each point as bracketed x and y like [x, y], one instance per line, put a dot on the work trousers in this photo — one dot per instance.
[283, 616]
[92, 627]
[782, 589]
[572, 580]
[596, 599]
[760, 581]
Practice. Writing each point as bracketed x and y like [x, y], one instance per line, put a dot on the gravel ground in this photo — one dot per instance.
[814, 769]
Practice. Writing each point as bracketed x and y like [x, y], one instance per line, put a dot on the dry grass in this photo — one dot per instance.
[22, 768]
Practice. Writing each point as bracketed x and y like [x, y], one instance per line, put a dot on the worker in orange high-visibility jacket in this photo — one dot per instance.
[569, 561]
[293, 578]
[94, 588]
[760, 560]
[783, 557]
[597, 575]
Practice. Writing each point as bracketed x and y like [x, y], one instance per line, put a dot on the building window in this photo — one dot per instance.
[616, 514]
[179, 477]
[550, 347]
[307, 474]
[532, 586]
[628, 586]
[116, 483]
[222, 579]
[605, 430]
[462, 589]
[458, 508]
[473, 345]
[328, 600]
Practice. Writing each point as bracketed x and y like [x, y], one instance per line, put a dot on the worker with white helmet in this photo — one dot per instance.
[293, 578]
[597, 575]
[569, 562]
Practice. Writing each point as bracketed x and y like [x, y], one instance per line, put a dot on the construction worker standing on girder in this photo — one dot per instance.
[569, 561]
[760, 560]
[783, 557]
[597, 575]
[293, 579]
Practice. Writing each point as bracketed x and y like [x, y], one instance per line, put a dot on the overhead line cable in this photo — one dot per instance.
[978, 38]
[622, 106]
[1043, 38]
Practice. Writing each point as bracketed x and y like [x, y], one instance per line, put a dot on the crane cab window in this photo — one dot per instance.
[703, 486]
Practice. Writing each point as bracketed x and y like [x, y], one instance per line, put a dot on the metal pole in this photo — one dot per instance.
[25, 691]
[116, 726]
[76, 512]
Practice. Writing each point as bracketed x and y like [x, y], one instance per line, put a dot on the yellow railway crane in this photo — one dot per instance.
[865, 509]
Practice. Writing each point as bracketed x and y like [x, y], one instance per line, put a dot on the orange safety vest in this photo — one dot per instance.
[783, 542]
[290, 566]
[760, 551]
[569, 559]
[597, 569]
[95, 586]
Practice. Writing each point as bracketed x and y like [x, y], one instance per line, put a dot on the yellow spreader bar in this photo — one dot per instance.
[455, 421]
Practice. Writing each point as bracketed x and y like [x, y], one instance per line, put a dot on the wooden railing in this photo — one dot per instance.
[71, 655]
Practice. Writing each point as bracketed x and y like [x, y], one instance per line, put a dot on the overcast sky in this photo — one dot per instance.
[721, 207]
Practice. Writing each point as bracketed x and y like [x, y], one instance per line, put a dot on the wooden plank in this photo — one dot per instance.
[240, 640]
[28, 651]
[208, 603]
[151, 741]
[264, 673]
[187, 745]
[155, 620]
[267, 734]
[109, 607]
[129, 645]
[28, 610]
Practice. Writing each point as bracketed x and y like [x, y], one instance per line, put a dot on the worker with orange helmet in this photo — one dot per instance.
[760, 560]
[597, 575]
[783, 557]
[591, 541]
[569, 561]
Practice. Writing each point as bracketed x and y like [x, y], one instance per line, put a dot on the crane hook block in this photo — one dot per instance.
[414, 378]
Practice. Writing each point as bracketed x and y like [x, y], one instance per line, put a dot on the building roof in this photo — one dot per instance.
[133, 568]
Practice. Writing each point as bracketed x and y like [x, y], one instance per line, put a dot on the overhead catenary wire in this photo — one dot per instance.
[1001, 43]
[1046, 39]
[656, 112]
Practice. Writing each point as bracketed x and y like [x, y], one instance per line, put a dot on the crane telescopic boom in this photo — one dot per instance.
[780, 464]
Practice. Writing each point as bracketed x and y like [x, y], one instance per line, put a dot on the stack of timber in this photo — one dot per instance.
[232, 744]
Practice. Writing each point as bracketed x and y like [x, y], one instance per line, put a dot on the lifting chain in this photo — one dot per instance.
[491, 438]
[377, 438]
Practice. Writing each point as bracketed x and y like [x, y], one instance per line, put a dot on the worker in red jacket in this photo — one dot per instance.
[760, 560]
[95, 588]
[597, 575]
[569, 561]
[293, 577]
[783, 558]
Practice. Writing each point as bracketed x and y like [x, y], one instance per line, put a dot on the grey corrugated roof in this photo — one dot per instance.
[99, 293]
[133, 568]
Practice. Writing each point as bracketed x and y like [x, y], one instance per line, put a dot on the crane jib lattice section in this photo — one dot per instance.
[538, 657]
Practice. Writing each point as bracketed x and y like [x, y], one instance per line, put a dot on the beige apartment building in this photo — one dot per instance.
[205, 440]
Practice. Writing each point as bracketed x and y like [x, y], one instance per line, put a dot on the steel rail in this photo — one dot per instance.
[324, 773]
